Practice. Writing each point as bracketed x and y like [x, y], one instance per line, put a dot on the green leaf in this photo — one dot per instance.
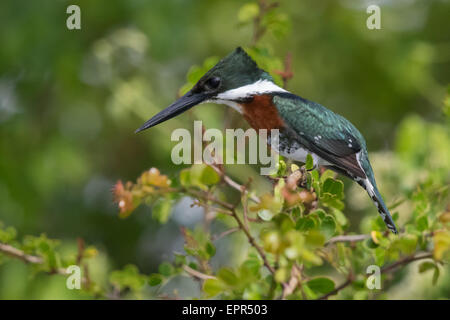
[166, 269]
[315, 181]
[161, 210]
[155, 279]
[427, 265]
[331, 194]
[196, 172]
[252, 264]
[281, 275]
[341, 219]
[193, 265]
[8, 234]
[202, 175]
[210, 249]
[334, 187]
[210, 176]
[296, 212]
[422, 223]
[128, 277]
[277, 23]
[213, 287]
[320, 213]
[321, 285]
[265, 214]
[380, 255]
[328, 227]
[272, 241]
[435, 276]
[281, 168]
[315, 238]
[185, 178]
[309, 165]
[326, 175]
[315, 175]
[408, 244]
[441, 240]
[44, 247]
[310, 256]
[371, 244]
[227, 276]
[305, 223]
[248, 12]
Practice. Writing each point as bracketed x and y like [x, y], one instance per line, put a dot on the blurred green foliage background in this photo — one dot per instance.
[70, 101]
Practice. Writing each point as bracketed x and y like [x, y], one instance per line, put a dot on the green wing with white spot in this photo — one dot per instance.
[335, 140]
[323, 132]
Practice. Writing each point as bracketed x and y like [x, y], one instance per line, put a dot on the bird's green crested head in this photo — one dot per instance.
[234, 79]
[236, 70]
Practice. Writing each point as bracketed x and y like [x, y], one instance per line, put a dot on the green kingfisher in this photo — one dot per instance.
[305, 127]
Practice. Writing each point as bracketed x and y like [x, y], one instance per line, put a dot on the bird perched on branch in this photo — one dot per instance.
[305, 127]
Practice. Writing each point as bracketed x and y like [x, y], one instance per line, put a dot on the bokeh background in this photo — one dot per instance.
[70, 101]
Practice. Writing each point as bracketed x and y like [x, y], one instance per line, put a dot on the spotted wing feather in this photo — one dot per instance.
[323, 132]
[334, 139]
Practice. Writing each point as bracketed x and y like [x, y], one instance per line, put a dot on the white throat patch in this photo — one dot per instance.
[259, 87]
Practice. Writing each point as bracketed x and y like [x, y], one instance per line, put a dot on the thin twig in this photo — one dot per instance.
[221, 210]
[241, 225]
[335, 291]
[293, 282]
[80, 243]
[197, 274]
[28, 258]
[245, 209]
[225, 233]
[349, 238]
[230, 182]
[19, 254]
[209, 197]
[81, 247]
[258, 29]
[405, 261]
[253, 243]
[287, 73]
[385, 269]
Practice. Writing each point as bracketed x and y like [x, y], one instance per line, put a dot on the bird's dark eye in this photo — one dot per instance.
[212, 83]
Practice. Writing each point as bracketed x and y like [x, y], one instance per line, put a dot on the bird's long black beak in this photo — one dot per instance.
[183, 104]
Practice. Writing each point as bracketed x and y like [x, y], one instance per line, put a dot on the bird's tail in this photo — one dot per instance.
[375, 195]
